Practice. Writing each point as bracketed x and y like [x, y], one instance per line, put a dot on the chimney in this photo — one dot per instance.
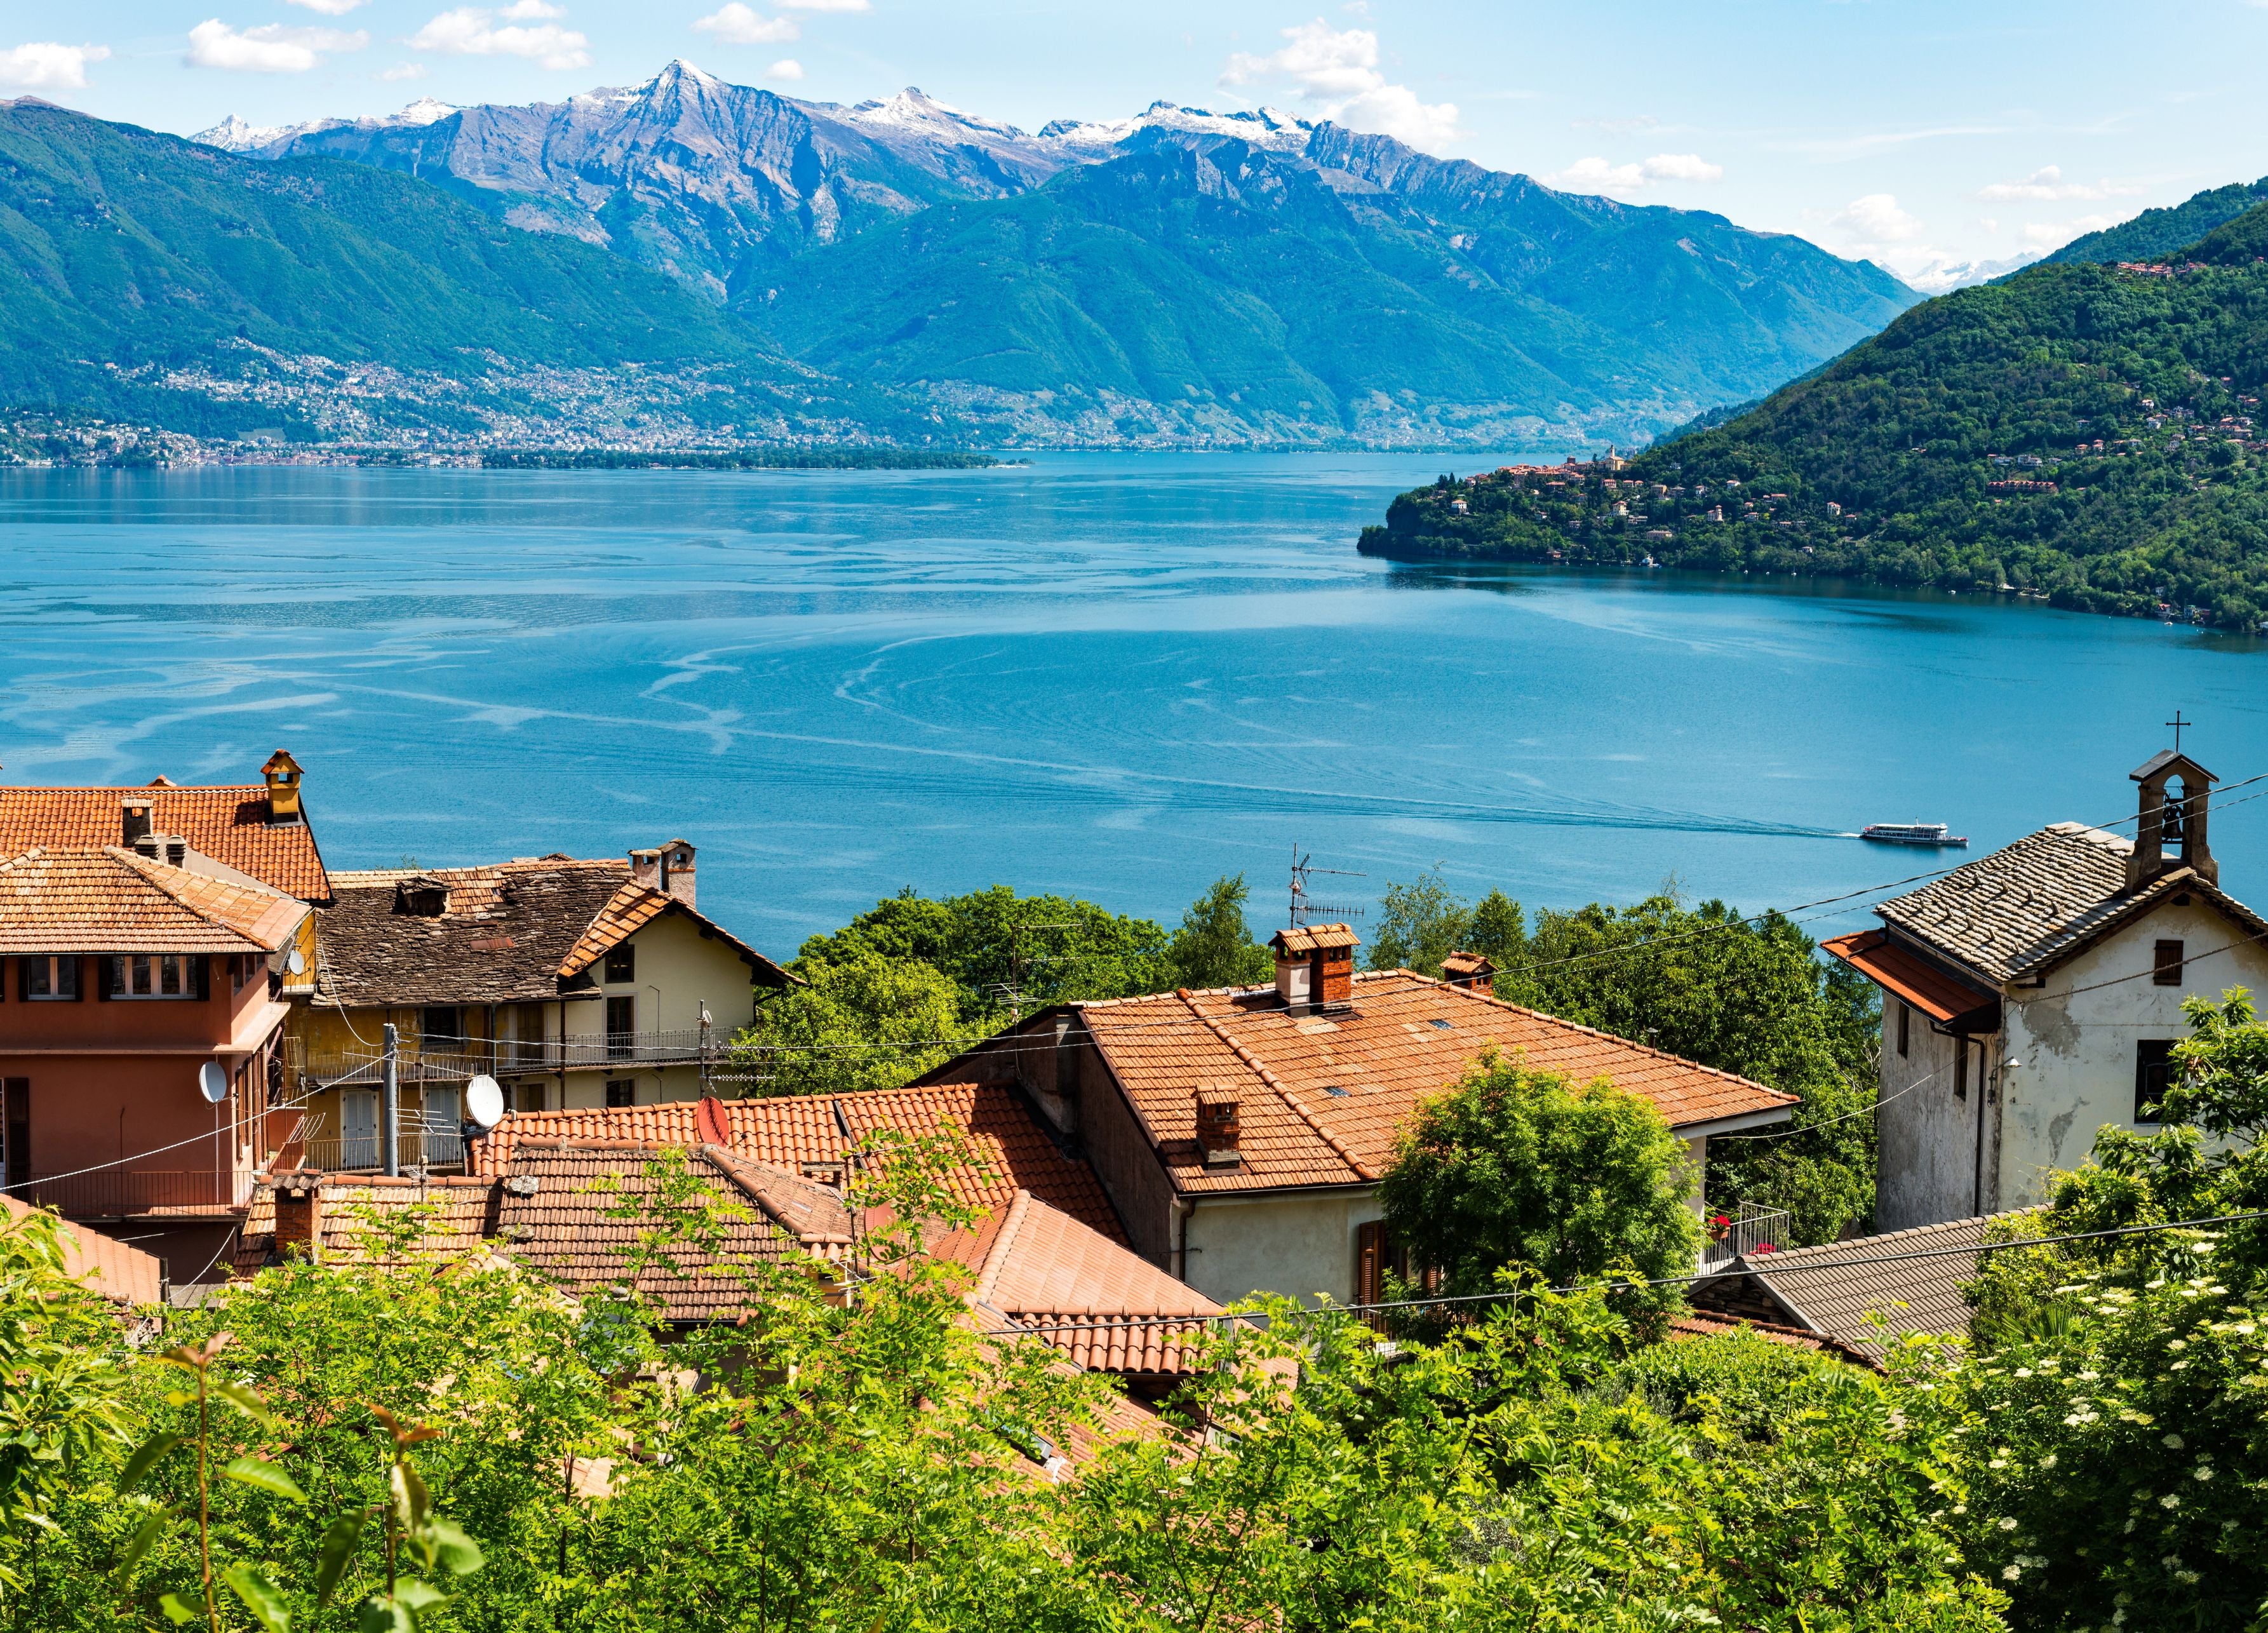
[2171, 833]
[282, 772]
[667, 868]
[299, 1215]
[1219, 1132]
[1315, 966]
[133, 820]
[1474, 971]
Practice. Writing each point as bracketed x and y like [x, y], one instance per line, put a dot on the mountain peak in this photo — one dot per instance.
[1268, 127]
[915, 109]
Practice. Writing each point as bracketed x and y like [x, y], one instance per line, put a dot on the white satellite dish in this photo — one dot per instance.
[212, 1082]
[296, 962]
[484, 1102]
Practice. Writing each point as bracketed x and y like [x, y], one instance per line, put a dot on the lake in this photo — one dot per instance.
[1117, 676]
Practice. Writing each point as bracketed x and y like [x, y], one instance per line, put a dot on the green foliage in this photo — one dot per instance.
[1212, 947]
[1520, 1170]
[2074, 433]
[861, 1021]
[1419, 925]
[2157, 232]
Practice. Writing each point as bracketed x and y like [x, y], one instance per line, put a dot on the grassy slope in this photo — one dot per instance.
[1901, 431]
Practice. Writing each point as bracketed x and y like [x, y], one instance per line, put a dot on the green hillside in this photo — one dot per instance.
[1209, 284]
[2074, 433]
[2157, 232]
[127, 256]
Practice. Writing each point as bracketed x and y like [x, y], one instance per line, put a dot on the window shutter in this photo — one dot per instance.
[79, 974]
[106, 976]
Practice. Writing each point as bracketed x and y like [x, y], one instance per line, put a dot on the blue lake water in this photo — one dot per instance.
[1115, 676]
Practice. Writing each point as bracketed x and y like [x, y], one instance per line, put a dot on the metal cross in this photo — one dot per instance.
[2177, 722]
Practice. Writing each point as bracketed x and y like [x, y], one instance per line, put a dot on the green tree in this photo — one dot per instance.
[1519, 1168]
[1212, 947]
[1419, 925]
[861, 1021]
[1499, 929]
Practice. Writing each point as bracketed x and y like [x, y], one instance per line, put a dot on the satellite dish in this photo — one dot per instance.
[484, 1102]
[296, 962]
[212, 1082]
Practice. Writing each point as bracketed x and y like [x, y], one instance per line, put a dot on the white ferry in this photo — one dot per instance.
[1910, 834]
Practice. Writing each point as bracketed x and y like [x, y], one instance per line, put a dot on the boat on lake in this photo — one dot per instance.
[1910, 834]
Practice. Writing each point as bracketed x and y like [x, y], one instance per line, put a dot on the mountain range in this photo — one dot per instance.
[1181, 277]
[2080, 432]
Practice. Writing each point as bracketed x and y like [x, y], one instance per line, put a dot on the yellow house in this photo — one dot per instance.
[573, 982]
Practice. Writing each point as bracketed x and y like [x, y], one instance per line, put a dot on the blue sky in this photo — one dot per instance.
[1918, 132]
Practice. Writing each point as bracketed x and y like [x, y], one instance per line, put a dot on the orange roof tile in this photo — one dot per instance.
[634, 906]
[456, 1214]
[113, 901]
[1302, 938]
[229, 824]
[117, 1270]
[1320, 1097]
[792, 1131]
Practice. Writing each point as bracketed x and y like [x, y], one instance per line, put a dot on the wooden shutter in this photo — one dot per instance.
[1370, 1262]
[16, 1130]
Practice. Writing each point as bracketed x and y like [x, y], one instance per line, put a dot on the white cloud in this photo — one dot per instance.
[530, 10]
[737, 26]
[405, 70]
[1337, 69]
[270, 48]
[2047, 183]
[469, 31]
[2046, 236]
[1596, 175]
[49, 66]
[852, 5]
[786, 67]
[1874, 220]
[328, 8]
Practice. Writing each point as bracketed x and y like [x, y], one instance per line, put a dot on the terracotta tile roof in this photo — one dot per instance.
[1831, 1289]
[456, 1213]
[1302, 938]
[112, 900]
[2029, 906]
[228, 824]
[1709, 1324]
[1897, 969]
[118, 1270]
[571, 1212]
[791, 1132]
[1320, 1097]
[1083, 1291]
[634, 906]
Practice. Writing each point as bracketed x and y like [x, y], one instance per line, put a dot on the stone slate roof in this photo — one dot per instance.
[2028, 907]
[228, 824]
[1830, 1290]
[109, 900]
[1320, 1097]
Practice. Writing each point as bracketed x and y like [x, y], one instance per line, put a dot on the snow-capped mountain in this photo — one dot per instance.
[234, 135]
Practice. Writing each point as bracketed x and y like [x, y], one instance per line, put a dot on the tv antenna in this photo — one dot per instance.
[1011, 991]
[1305, 910]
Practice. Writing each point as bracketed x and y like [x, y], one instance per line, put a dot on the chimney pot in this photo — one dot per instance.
[133, 821]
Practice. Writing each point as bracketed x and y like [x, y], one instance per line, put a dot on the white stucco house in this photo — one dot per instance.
[2032, 997]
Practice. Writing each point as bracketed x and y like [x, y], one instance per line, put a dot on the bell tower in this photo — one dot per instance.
[2176, 795]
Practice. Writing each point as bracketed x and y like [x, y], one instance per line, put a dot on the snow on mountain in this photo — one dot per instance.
[1942, 277]
[1269, 129]
[235, 135]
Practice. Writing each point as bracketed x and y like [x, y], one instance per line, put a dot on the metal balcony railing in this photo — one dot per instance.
[124, 1193]
[1747, 1230]
[365, 1154]
[456, 1059]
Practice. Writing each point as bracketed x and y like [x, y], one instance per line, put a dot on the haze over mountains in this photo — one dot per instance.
[1181, 277]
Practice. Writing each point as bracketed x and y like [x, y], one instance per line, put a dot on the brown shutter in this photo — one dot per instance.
[16, 1130]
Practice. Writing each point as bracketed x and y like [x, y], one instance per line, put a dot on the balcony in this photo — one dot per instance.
[430, 1149]
[133, 1193]
[1744, 1232]
[471, 1057]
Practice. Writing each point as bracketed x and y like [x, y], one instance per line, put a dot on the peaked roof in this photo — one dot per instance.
[229, 824]
[117, 1270]
[108, 900]
[794, 1133]
[1321, 1096]
[632, 908]
[1314, 939]
[2034, 904]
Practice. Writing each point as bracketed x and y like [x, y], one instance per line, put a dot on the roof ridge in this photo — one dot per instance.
[147, 868]
[1611, 1037]
[995, 1262]
[1282, 1091]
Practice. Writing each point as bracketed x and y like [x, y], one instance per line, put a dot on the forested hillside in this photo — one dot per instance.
[2157, 232]
[2076, 433]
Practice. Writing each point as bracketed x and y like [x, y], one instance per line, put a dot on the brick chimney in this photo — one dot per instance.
[667, 868]
[1315, 966]
[133, 820]
[1476, 971]
[1218, 1131]
[299, 1215]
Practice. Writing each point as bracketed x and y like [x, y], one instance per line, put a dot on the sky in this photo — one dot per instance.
[1924, 135]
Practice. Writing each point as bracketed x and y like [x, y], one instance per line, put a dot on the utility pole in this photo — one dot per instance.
[389, 1103]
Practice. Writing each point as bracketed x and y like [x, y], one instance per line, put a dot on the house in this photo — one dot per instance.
[142, 1016]
[2033, 995]
[572, 982]
[1858, 1294]
[1241, 1133]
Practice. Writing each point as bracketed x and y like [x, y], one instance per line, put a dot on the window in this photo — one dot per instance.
[50, 978]
[442, 1026]
[622, 1091]
[156, 975]
[359, 1128]
[621, 962]
[16, 1130]
[531, 1097]
[2154, 1074]
[622, 1026]
[240, 966]
[1905, 1028]
[2165, 969]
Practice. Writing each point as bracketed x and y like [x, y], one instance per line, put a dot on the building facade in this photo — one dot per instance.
[2033, 995]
